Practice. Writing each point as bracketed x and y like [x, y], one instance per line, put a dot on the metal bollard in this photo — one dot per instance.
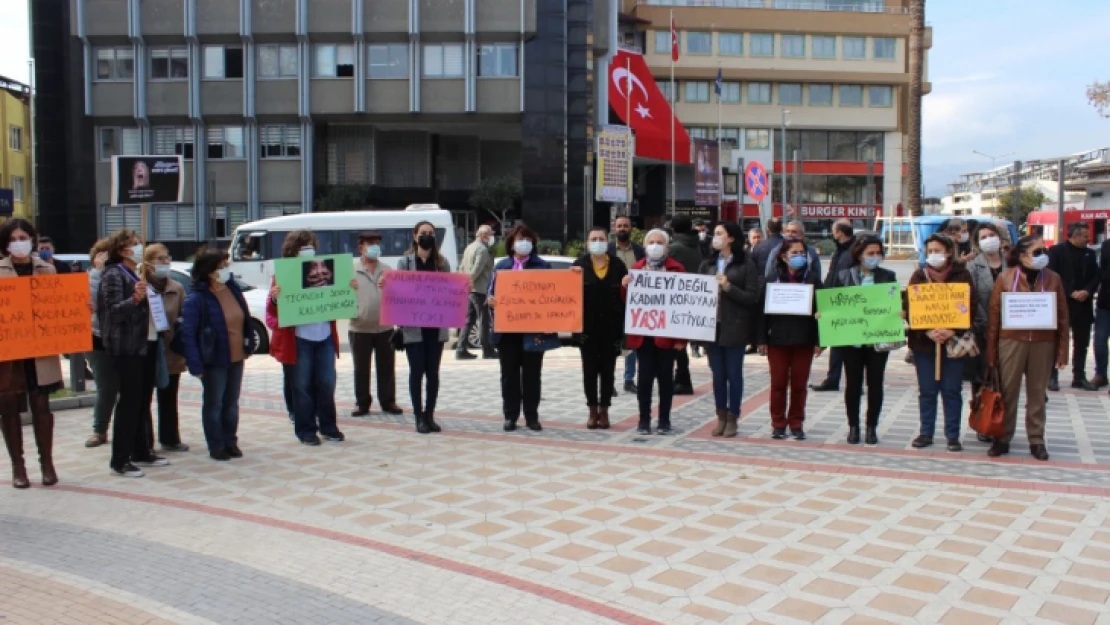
[77, 373]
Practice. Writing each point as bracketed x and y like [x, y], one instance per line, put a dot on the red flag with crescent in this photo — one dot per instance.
[633, 93]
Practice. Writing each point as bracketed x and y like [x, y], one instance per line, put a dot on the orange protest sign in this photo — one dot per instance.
[543, 300]
[44, 316]
[940, 305]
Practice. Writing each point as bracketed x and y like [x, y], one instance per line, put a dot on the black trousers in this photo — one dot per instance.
[476, 312]
[682, 368]
[424, 360]
[655, 364]
[168, 428]
[136, 384]
[521, 372]
[599, 361]
[861, 362]
[373, 345]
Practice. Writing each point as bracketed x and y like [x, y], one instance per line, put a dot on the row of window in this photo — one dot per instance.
[816, 145]
[329, 60]
[878, 96]
[178, 222]
[833, 190]
[15, 138]
[790, 46]
[221, 142]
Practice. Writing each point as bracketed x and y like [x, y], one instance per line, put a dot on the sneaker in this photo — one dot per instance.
[954, 445]
[219, 454]
[179, 448]
[630, 387]
[663, 430]
[464, 356]
[778, 434]
[312, 440]
[153, 461]
[127, 470]
[335, 437]
[798, 434]
[644, 430]
[922, 441]
[234, 451]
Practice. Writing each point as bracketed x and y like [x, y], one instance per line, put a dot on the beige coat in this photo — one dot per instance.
[173, 299]
[48, 368]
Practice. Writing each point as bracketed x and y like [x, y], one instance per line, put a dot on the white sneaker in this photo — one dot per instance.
[128, 470]
[154, 461]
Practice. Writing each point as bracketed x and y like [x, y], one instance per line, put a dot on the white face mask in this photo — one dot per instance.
[372, 252]
[1039, 262]
[597, 248]
[307, 251]
[20, 249]
[522, 247]
[718, 242]
[964, 237]
[936, 261]
[137, 252]
[161, 271]
[702, 235]
[990, 245]
[224, 274]
[655, 251]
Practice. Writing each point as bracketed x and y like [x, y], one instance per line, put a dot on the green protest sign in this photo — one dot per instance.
[860, 315]
[315, 288]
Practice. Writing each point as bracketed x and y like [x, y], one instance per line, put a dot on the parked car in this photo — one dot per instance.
[256, 302]
[79, 262]
[474, 340]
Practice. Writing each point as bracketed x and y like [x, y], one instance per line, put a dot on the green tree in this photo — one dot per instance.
[1098, 94]
[1031, 200]
[497, 196]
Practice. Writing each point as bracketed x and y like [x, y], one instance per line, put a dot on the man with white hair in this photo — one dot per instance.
[477, 262]
[794, 230]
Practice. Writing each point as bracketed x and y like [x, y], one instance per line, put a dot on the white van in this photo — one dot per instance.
[258, 243]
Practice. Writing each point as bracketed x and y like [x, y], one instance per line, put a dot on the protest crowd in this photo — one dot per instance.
[981, 309]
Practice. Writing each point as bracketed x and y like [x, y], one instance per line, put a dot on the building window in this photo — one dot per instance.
[824, 47]
[729, 138]
[169, 63]
[119, 142]
[175, 222]
[389, 61]
[851, 95]
[334, 60]
[884, 48]
[759, 93]
[280, 210]
[280, 141]
[730, 44]
[665, 89]
[115, 63]
[443, 60]
[794, 46]
[225, 219]
[17, 188]
[225, 142]
[277, 61]
[762, 44]
[790, 93]
[115, 218]
[497, 59]
[880, 96]
[820, 95]
[223, 62]
[699, 42]
[815, 145]
[697, 91]
[662, 42]
[855, 47]
[174, 140]
[698, 132]
[15, 138]
[757, 139]
[730, 92]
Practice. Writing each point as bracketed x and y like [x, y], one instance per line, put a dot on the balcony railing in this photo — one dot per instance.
[866, 6]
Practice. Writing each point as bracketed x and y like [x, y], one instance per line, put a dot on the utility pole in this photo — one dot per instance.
[1016, 208]
[1060, 199]
[782, 157]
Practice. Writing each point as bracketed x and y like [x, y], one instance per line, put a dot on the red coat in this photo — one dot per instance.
[283, 341]
[633, 341]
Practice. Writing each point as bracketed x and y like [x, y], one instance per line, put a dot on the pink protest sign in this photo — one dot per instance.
[425, 299]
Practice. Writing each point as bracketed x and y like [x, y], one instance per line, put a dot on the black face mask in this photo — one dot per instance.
[623, 237]
[426, 241]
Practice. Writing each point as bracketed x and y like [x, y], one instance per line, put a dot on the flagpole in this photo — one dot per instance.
[720, 179]
[674, 35]
[628, 120]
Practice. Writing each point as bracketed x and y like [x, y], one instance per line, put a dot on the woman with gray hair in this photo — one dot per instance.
[657, 354]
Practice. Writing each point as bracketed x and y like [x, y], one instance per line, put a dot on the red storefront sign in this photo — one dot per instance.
[836, 211]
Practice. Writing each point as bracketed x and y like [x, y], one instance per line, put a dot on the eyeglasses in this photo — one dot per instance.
[1040, 251]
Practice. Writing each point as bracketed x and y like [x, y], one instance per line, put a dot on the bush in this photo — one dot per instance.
[498, 249]
[551, 248]
[825, 247]
[576, 248]
[638, 236]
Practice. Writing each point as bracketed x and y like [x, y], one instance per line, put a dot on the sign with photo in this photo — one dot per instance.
[315, 288]
[614, 164]
[707, 172]
[147, 180]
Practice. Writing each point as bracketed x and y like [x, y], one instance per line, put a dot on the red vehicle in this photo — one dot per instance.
[1043, 222]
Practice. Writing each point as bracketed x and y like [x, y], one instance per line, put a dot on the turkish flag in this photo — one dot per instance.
[638, 101]
[674, 40]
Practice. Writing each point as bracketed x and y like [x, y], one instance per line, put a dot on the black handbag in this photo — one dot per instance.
[397, 340]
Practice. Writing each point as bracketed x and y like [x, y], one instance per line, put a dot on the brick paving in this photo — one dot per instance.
[569, 525]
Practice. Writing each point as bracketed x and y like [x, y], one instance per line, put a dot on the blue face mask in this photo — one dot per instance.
[798, 262]
[46, 254]
[871, 262]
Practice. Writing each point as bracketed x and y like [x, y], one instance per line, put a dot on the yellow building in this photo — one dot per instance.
[15, 149]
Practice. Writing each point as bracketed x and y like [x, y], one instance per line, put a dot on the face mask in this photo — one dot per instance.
[798, 262]
[990, 245]
[1039, 262]
[161, 271]
[46, 254]
[701, 236]
[489, 242]
[522, 247]
[307, 251]
[936, 261]
[718, 242]
[224, 274]
[597, 248]
[623, 237]
[655, 251]
[137, 252]
[19, 248]
[426, 241]
[871, 262]
[964, 237]
[372, 252]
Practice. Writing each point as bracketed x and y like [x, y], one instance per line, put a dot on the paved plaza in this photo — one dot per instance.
[568, 526]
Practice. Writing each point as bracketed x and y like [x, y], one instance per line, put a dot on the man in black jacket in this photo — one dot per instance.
[770, 244]
[1102, 318]
[684, 249]
[844, 236]
[1078, 269]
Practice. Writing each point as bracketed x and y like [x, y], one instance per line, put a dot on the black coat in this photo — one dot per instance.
[684, 249]
[784, 330]
[841, 260]
[764, 250]
[1084, 278]
[1104, 276]
[602, 302]
[738, 309]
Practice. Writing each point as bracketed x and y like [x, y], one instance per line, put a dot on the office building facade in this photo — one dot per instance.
[16, 178]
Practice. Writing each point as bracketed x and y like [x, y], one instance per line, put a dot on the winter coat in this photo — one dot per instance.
[173, 300]
[918, 340]
[192, 326]
[1005, 284]
[124, 324]
[684, 249]
[738, 308]
[506, 264]
[789, 330]
[602, 302]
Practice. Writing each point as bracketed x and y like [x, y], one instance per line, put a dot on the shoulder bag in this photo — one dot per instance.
[988, 413]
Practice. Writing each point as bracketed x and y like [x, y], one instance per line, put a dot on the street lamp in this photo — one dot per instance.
[785, 125]
[993, 160]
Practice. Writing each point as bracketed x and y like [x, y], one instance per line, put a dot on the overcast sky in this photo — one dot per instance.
[1008, 76]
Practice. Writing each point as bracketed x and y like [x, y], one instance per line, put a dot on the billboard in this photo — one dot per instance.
[614, 164]
[707, 173]
[147, 180]
[7, 202]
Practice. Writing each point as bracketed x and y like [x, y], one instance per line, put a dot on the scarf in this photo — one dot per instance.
[938, 276]
[653, 265]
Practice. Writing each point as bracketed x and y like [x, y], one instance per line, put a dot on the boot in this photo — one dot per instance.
[853, 435]
[13, 439]
[430, 420]
[720, 429]
[43, 424]
[603, 417]
[592, 422]
[730, 425]
[422, 424]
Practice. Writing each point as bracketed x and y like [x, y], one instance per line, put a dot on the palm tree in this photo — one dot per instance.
[917, 64]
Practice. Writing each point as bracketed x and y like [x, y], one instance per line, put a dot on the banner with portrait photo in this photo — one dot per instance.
[707, 173]
[315, 288]
[147, 180]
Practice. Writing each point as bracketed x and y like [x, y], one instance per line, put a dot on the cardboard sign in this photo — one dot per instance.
[788, 299]
[157, 309]
[314, 289]
[425, 299]
[44, 316]
[672, 305]
[1029, 311]
[538, 300]
[939, 305]
[860, 315]
[147, 180]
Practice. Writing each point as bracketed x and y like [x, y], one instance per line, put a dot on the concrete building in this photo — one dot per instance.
[15, 154]
[285, 106]
[836, 71]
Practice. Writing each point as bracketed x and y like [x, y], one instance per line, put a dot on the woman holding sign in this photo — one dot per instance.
[29, 381]
[942, 265]
[790, 341]
[172, 296]
[602, 324]
[1027, 333]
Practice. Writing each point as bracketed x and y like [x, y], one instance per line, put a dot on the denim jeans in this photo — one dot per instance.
[949, 387]
[630, 367]
[314, 388]
[107, 388]
[727, 365]
[220, 411]
[1102, 335]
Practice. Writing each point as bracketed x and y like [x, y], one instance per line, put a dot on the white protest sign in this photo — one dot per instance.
[672, 305]
[1029, 311]
[789, 299]
[157, 310]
